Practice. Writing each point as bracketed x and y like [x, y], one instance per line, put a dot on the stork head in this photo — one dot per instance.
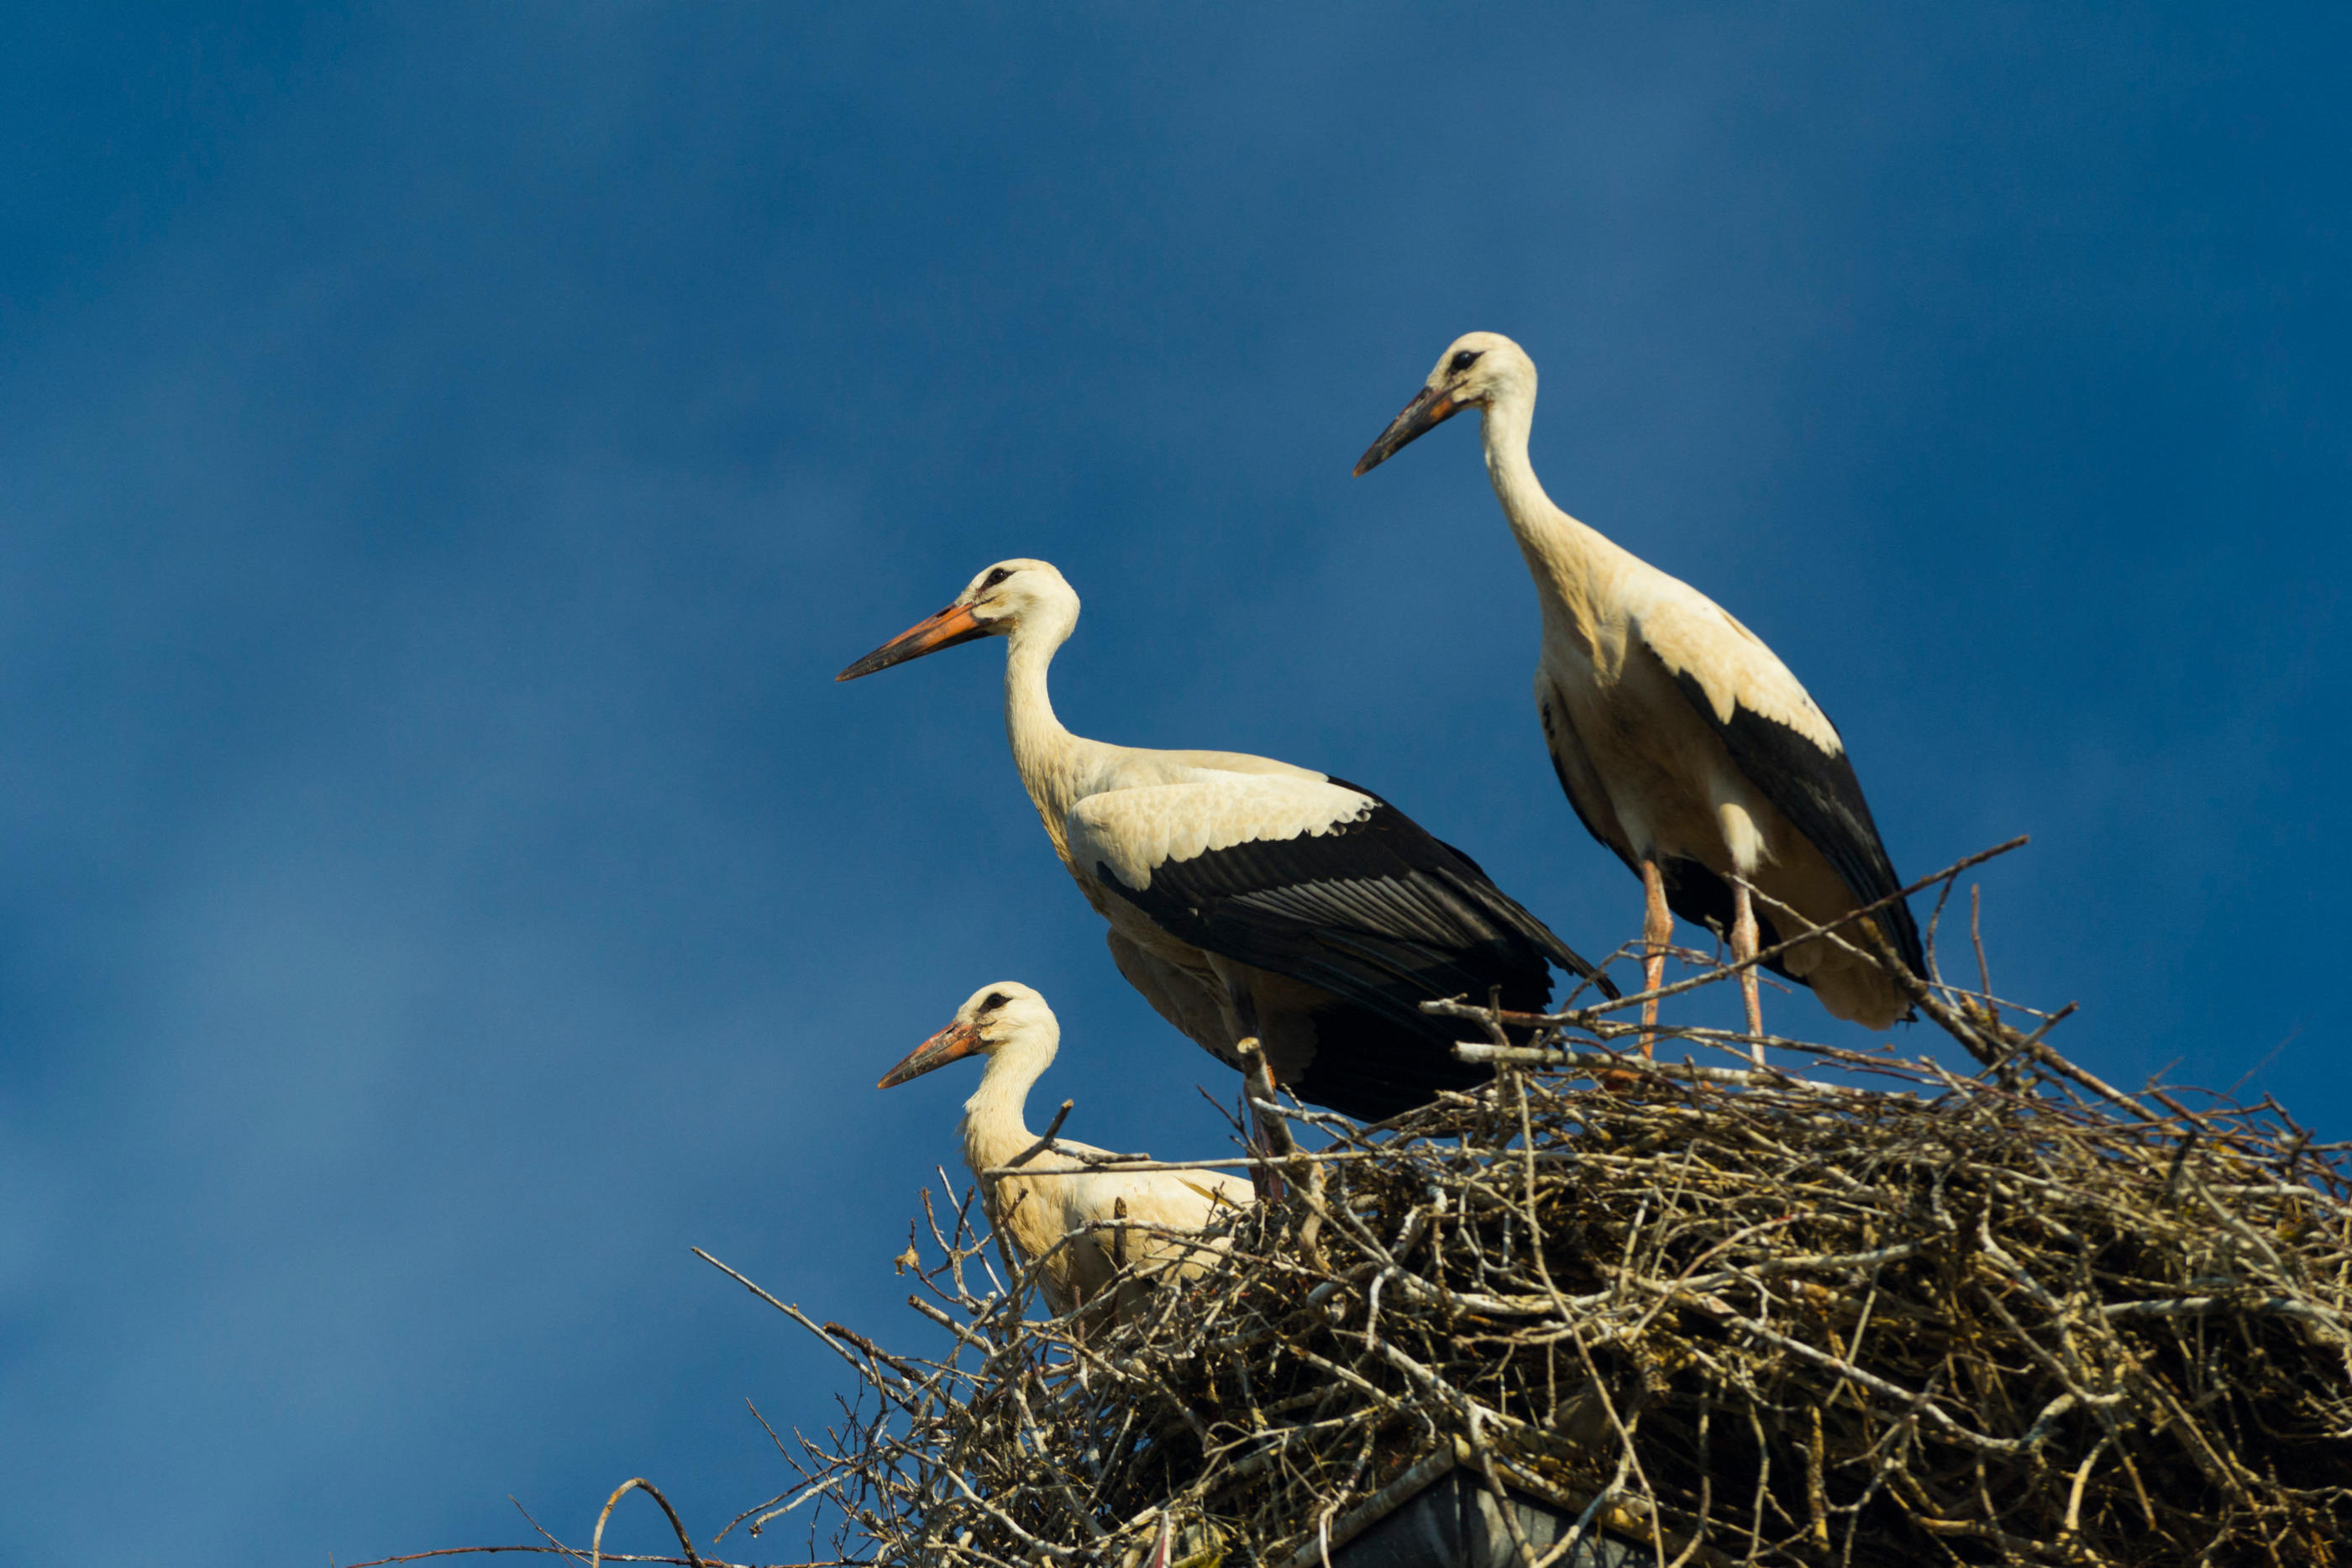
[1477, 368]
[996, 603]
[995, 1016]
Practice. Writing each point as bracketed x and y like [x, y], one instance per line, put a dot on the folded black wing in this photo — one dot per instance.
[1816, 789]
[1376, 911]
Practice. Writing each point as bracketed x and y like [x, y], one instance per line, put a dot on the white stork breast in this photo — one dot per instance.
[1136, 831]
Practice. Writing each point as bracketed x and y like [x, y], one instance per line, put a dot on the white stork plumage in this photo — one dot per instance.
[1251, 899]
[1683, 742]
[1059, 1198]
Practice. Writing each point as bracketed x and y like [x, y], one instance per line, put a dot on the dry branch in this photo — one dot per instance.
[1843, 1309]
[1840, 1309]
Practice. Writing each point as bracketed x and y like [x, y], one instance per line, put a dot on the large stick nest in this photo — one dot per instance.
[1879, 1313]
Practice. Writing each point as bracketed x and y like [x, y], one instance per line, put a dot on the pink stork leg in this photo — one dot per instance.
[1744, 948]
[1269, 1135]
[1657, 930]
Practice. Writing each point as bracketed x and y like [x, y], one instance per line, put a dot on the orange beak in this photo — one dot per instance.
[949, 626]
[1429, 409]
[953, 1043]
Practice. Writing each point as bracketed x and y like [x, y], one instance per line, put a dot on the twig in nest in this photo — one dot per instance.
[638, 1483]
[1045, 1139]
[2008, 1319]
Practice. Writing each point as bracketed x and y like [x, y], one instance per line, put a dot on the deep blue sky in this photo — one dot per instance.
[446, 452]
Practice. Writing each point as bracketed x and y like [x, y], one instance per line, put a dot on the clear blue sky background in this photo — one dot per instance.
[446, 452]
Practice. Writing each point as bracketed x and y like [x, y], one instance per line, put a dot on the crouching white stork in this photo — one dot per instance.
[1683, 742]
[1249, 899]
[1063, 1215]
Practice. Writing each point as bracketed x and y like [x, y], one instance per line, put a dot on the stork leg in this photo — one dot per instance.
[1268, 1137]
[1744, 948]
[1657, 930]
[1271, 1138]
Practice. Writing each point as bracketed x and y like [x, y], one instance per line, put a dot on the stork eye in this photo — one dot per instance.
[991, 1002]
[1465, 359]
[995, 576]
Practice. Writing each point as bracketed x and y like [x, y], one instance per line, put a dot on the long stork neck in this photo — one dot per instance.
[1054, 764]
[996, 1129]
[1565, 558]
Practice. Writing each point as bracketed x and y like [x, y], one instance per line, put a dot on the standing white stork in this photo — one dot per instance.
[1683, 742]
[1249, 899]
[1063, 1200]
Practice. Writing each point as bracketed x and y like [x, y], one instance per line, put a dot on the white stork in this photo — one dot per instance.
[1684, 744]
[1249, 899]
[1061, 1199]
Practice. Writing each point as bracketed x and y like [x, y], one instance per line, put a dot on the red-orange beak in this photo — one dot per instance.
[954, 624]
[1429, 409]
[953, 1043]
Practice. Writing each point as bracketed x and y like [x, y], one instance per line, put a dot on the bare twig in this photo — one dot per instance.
[1918, 1314]
[638, 1483]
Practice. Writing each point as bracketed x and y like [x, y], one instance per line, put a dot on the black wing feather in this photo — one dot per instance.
[1818, 792]
[1469, 879]
[1382, 916]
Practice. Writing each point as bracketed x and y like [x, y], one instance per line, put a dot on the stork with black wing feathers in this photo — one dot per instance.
[1249, 899]
[1683, 742]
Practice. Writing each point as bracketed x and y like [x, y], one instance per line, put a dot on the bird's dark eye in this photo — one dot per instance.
[995, 576]
[991, 1002]
[1465, 359]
